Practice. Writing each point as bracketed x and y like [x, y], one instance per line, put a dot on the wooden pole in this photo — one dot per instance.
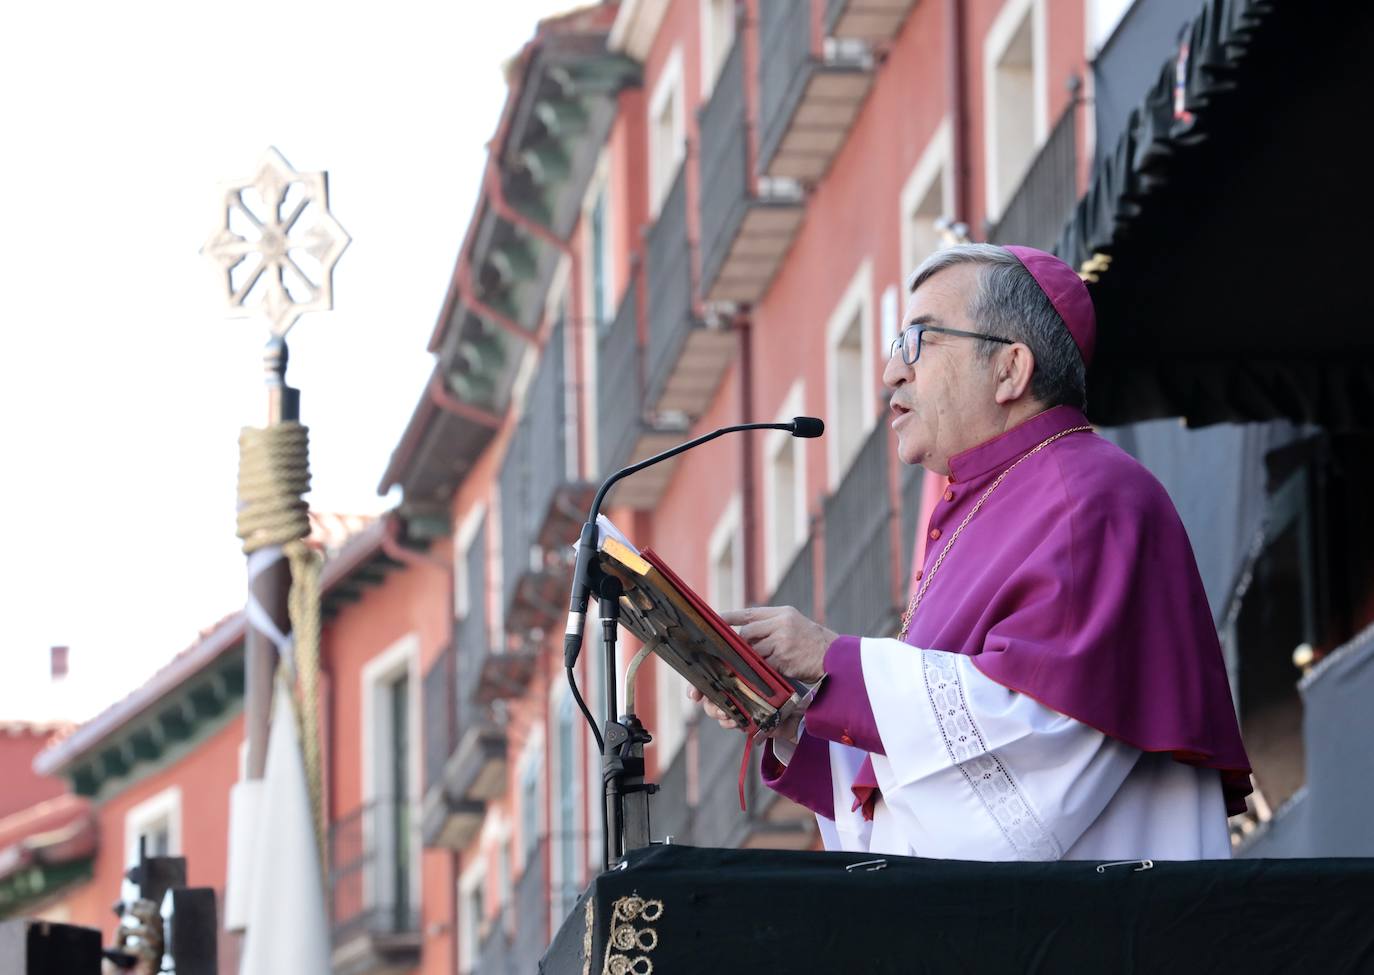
[269, 587]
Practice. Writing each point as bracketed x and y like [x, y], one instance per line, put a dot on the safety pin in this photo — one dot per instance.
[1143, 865]
[870, 866]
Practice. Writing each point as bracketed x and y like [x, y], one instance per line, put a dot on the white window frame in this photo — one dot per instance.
[496, 606]
[572, 406]
[469, 927]
[600, 185]
[712, 61]
[496, 845]
[463, 541]
[727, 534]
[402, 658]
[936, 162]
[995, 44]
[590, 329]
[661, 171]
[558, 696]
[1097, 28]
[777, 441]
[162, 806]
[856, 302]
[532, 764]
[594, 696]
[889, 315]
[670, 699]
[635, 27]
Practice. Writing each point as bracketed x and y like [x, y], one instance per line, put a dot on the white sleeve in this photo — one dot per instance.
[976, 771]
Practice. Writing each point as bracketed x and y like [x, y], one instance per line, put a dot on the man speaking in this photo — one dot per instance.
[1057, 690]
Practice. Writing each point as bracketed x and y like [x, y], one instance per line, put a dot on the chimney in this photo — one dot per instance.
[58, 657]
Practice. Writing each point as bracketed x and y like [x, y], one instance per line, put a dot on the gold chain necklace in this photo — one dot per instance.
[925, 583]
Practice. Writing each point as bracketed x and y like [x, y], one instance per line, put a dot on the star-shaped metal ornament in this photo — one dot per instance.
[277, 244]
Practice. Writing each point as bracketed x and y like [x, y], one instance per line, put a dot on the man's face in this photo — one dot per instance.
[944, 403]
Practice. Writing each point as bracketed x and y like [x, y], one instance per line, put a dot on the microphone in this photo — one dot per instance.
[808, 427]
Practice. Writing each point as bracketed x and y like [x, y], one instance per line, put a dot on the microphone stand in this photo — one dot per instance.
[625, 820]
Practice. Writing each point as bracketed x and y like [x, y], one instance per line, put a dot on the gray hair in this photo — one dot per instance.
[1009, 303]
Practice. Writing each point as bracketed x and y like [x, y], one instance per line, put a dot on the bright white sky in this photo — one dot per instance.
[122, 384]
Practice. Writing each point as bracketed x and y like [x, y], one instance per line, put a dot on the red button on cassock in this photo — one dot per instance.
[846, 740]
[934, 534]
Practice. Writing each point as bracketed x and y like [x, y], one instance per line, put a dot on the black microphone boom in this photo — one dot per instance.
[802, 426]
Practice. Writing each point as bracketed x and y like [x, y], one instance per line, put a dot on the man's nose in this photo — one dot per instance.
[896, 372]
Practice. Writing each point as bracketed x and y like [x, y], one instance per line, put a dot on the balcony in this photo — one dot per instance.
[542, 507]
[1044, 202]
[531, 936]
[447, 818]
[911, 479]
[771, 821]
[671, 814]
[686, 358]
[807, 99]
[858, 551]
[624, 435]
[465, 751]
[873, 21]
[493, 955]
[745, 232]
[797, 587]
[374, 890]
[717, 820]
[774, 822]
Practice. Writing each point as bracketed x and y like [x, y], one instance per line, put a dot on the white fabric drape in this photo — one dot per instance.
[287, 928]
[975, 771]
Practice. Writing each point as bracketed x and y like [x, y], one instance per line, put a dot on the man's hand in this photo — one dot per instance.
[712, 712]
[790, 643]
[788, 729]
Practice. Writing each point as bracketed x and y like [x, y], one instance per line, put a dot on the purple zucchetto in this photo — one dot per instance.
[1067, 293]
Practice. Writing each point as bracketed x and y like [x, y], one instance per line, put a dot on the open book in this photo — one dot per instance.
[680, 627]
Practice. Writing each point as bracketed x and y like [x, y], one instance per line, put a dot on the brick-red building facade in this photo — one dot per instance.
[696, 212]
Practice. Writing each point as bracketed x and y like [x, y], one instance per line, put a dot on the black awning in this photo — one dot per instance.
[1233, 209]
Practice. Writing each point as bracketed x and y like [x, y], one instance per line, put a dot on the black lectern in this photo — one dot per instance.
[670, 909]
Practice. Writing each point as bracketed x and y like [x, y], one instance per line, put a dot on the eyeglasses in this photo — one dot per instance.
[910, 340]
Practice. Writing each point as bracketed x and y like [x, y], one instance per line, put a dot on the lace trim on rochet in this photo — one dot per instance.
[982, 769]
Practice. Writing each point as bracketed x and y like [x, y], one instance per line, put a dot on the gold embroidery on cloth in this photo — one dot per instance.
[587, 937]
[624, 938]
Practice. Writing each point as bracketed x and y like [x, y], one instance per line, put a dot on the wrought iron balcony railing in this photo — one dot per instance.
[374, 878]
[1045, 200]
[858, 565]
[911, 516]
[797, 587]
[541, 505]
[671, 812]
[465, 750]
[744, 232]
[531, 910]
[624, 433]
[808, 98]
[619, 392]
[686, 358]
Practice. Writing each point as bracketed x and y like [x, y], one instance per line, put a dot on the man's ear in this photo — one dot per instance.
[1015, 365]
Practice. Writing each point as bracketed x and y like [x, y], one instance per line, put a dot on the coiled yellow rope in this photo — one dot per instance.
[274, 474]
